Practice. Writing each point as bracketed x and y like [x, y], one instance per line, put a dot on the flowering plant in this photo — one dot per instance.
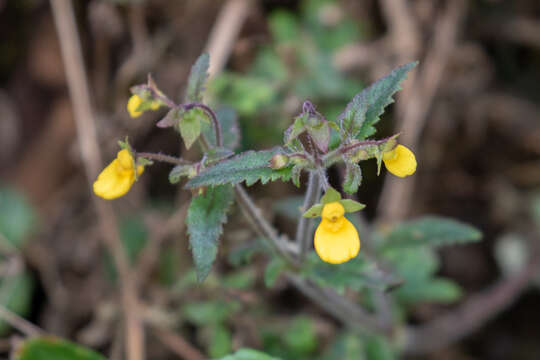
[312, 145]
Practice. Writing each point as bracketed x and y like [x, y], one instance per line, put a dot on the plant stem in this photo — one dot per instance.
[303, 230]
[215, 121]
[19, 323]
[260, 224]
[163, 158]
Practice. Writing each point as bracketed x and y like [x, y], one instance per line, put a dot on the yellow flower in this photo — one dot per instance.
[133, 104]
[135, 101]
[116, 179]
[400, 161]
[336, 238]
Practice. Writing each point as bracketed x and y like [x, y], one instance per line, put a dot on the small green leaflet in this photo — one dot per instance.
[197, 78]
[433, 231]
[366, 107]
[250, 166]
[206, 215]
[47, 348]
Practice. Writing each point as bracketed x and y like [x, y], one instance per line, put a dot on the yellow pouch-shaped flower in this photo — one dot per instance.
[336, 239]
[400, 161]
[118, 177]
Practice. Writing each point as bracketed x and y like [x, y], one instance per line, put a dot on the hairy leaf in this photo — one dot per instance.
[206, 215]
[432, 230]
[439, 290]
[47, 348]
[250, 167]
[180, 171]
[363, 112]
[197, 78]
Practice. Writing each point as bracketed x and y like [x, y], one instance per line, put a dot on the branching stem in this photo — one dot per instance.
[163, 158]
[304, 227]
[213, 117]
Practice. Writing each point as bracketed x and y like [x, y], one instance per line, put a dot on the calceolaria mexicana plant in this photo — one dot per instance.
[311, 145]
[306, 148]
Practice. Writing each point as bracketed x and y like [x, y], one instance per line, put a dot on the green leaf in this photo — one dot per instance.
[353, 178]
[220, 341]
[197, 78]
[17, 217]
[180, 171]
[190, 126]
[48, 348]
[433, 231]
[249, 354]
[283, 26]
[364, 110]
[230, 130]
[209, 312]
[206, 215]
[314, 211]
[356, 273]
[433, 290]
[296, 172]
[172, 118]
[250, 167]
[16, 296]
[273, 270]
[301, 337]
[347, 346]
[331, 195]
[351, 205]
[379, 348]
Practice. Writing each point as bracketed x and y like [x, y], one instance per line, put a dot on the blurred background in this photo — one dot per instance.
[470, 111]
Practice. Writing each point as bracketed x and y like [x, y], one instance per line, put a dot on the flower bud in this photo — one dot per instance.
[279, 161]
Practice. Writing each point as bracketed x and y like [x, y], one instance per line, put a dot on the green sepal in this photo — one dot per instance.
[314, 211]
[353, 178]
[331, 195]
[180, 171]
[293, 131]
[351, 206]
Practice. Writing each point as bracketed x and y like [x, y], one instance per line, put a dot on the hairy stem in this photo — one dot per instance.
[303, 230]
[262, 226]
[163, 158]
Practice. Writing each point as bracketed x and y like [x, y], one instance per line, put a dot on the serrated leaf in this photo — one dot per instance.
[16, 295]
[250, 167]
[314, 211]
[206, 215]
[249, 354]
[353, 178]
[273, 270]
[331, 195]
[366, 107]
[351, 206]
[48, 348]
[197, 78]
[17, 217]
[433, 231]
[230, 130]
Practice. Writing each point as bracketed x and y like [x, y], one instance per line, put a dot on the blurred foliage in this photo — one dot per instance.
[17, 220]
[50, 348]
[296, 65]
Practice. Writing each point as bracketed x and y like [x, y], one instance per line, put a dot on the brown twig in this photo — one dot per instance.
[178, 344]
[19, 323]
[471, 315]
[89, 148]
[415, 104]
[224, 33]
